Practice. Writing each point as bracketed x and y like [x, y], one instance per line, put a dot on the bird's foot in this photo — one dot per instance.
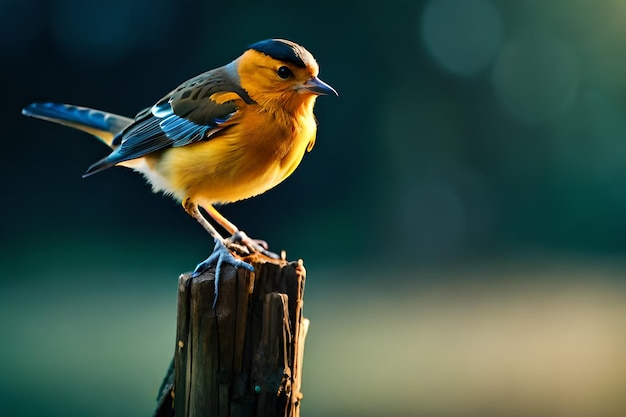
[245, 245]
[221, 254]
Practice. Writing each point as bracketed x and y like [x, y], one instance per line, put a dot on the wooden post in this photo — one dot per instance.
[242, 358]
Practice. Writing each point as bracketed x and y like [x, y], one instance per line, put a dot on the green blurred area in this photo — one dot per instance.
[461, 215]
[524, 339]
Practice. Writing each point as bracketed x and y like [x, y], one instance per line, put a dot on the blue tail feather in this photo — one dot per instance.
[77, 116]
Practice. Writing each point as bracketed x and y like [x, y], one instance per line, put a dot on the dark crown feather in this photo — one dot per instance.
[284, 50]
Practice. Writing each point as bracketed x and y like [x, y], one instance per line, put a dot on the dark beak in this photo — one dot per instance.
[319, 87]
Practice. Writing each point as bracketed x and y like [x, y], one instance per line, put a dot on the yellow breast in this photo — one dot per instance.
[253, 155]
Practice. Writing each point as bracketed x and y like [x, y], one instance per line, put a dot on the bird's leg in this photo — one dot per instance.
[237, 236]
[192, 209]
[220, 255]
[221, 220]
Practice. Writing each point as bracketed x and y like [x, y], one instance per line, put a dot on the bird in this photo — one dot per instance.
[226, 135]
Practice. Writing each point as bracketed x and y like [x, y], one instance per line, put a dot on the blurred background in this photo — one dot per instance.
[461, 216]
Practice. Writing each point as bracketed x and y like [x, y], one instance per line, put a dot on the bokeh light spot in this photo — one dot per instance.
[536, 77]
[462, 35]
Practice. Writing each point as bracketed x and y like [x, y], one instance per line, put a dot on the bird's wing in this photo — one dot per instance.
[187, 115]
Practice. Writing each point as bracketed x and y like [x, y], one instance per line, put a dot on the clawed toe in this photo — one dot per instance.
[243, 243]
[238, 243]
[221, 255]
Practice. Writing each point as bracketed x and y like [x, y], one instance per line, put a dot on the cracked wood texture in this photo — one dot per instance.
[243, 358]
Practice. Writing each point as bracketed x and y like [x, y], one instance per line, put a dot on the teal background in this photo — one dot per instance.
[461, 216]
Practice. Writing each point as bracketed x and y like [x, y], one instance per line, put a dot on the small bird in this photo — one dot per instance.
[225, 135]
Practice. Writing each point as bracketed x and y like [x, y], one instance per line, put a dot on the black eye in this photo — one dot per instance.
[284, 72]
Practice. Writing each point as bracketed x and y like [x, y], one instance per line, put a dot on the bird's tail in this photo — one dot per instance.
[105, 126]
